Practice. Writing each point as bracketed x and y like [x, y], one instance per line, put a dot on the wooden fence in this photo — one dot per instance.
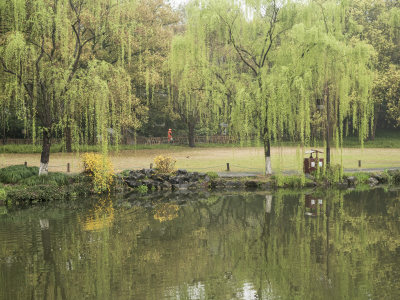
[141, 140]
[182, 140]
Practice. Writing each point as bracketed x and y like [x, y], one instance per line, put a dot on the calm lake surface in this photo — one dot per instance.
[233, 245]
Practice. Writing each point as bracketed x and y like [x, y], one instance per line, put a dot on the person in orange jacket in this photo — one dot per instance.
[170, 139]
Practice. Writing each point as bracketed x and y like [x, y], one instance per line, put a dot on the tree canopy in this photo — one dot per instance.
[67, 65]
[286, 59]
[92, 71]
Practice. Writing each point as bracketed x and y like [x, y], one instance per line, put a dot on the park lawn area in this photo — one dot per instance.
[241, 159]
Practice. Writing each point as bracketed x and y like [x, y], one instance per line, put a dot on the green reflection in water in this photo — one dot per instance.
[218, 246]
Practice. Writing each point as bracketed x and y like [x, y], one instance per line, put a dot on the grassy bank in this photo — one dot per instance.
[21, 186]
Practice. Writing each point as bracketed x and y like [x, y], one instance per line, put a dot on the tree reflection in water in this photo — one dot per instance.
[220, 246]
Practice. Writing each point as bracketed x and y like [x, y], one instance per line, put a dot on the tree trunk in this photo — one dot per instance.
[44, 159]
[4, 129]
[191, 135]
[328, 127]
[267, 153]
[68, 137]
[376, 120]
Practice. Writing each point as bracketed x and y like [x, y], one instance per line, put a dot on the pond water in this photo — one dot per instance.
[238, 245]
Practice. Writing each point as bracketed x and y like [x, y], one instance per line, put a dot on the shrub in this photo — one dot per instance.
[165, 164]
[393, 176]
[14, 174]
[34, 194]
[333, 174]
[362, 177]
[292, 181]
[212, 175]
[125, 173]
[100, 169]
[142, 189]
[2, 194]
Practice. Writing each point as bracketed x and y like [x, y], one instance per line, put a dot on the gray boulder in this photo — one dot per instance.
[166, 185]
[373, 181]
[351, 181]
[181, 172]
[251, 184]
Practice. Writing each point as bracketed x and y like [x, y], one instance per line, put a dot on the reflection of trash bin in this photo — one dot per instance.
[312, 163]
[313, 206]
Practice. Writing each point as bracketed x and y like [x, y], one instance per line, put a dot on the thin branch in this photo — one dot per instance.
[53, 31]
[222, 80]
[324, 16]
[253, 58]
[5, 69]
[232, 40]
[26, 85]
[270, 35]
[41, 47]
[40, 57]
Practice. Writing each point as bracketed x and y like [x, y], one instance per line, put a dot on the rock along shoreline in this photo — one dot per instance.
[184, 180]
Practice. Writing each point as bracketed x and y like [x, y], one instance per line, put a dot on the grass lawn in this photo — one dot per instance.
[204, 159]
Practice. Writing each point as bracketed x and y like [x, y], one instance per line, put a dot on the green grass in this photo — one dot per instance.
[19, 174]
[28, 148]
[361, 177]
[212, 175]
[59, 179]
[14, 174]
[383, 139]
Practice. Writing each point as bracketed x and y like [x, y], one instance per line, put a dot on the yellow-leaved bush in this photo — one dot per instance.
[99, 167]
[165, 164]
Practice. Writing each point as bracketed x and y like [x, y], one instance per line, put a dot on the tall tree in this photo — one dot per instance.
[190, 73]
[156, 23]
[45, 45]
[290, 59]
[237, 42]
[254, 31]
[328, 75]
[375, 22]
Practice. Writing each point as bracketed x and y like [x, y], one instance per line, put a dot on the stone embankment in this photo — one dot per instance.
[184, 180]
[181, 179]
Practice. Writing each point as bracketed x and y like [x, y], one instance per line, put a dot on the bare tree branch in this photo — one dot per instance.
[232, 40]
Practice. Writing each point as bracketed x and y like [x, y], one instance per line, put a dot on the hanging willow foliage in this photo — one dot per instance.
[190, 73]
[332, 71]
[64, 62]
[284, 59]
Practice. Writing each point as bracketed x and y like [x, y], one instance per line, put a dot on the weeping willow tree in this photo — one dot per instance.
[154, 24]
[109, 105]
[245, 37]
[302, 64]
[47, 54]
[190, 79]
[295, 68]
[332, 74]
